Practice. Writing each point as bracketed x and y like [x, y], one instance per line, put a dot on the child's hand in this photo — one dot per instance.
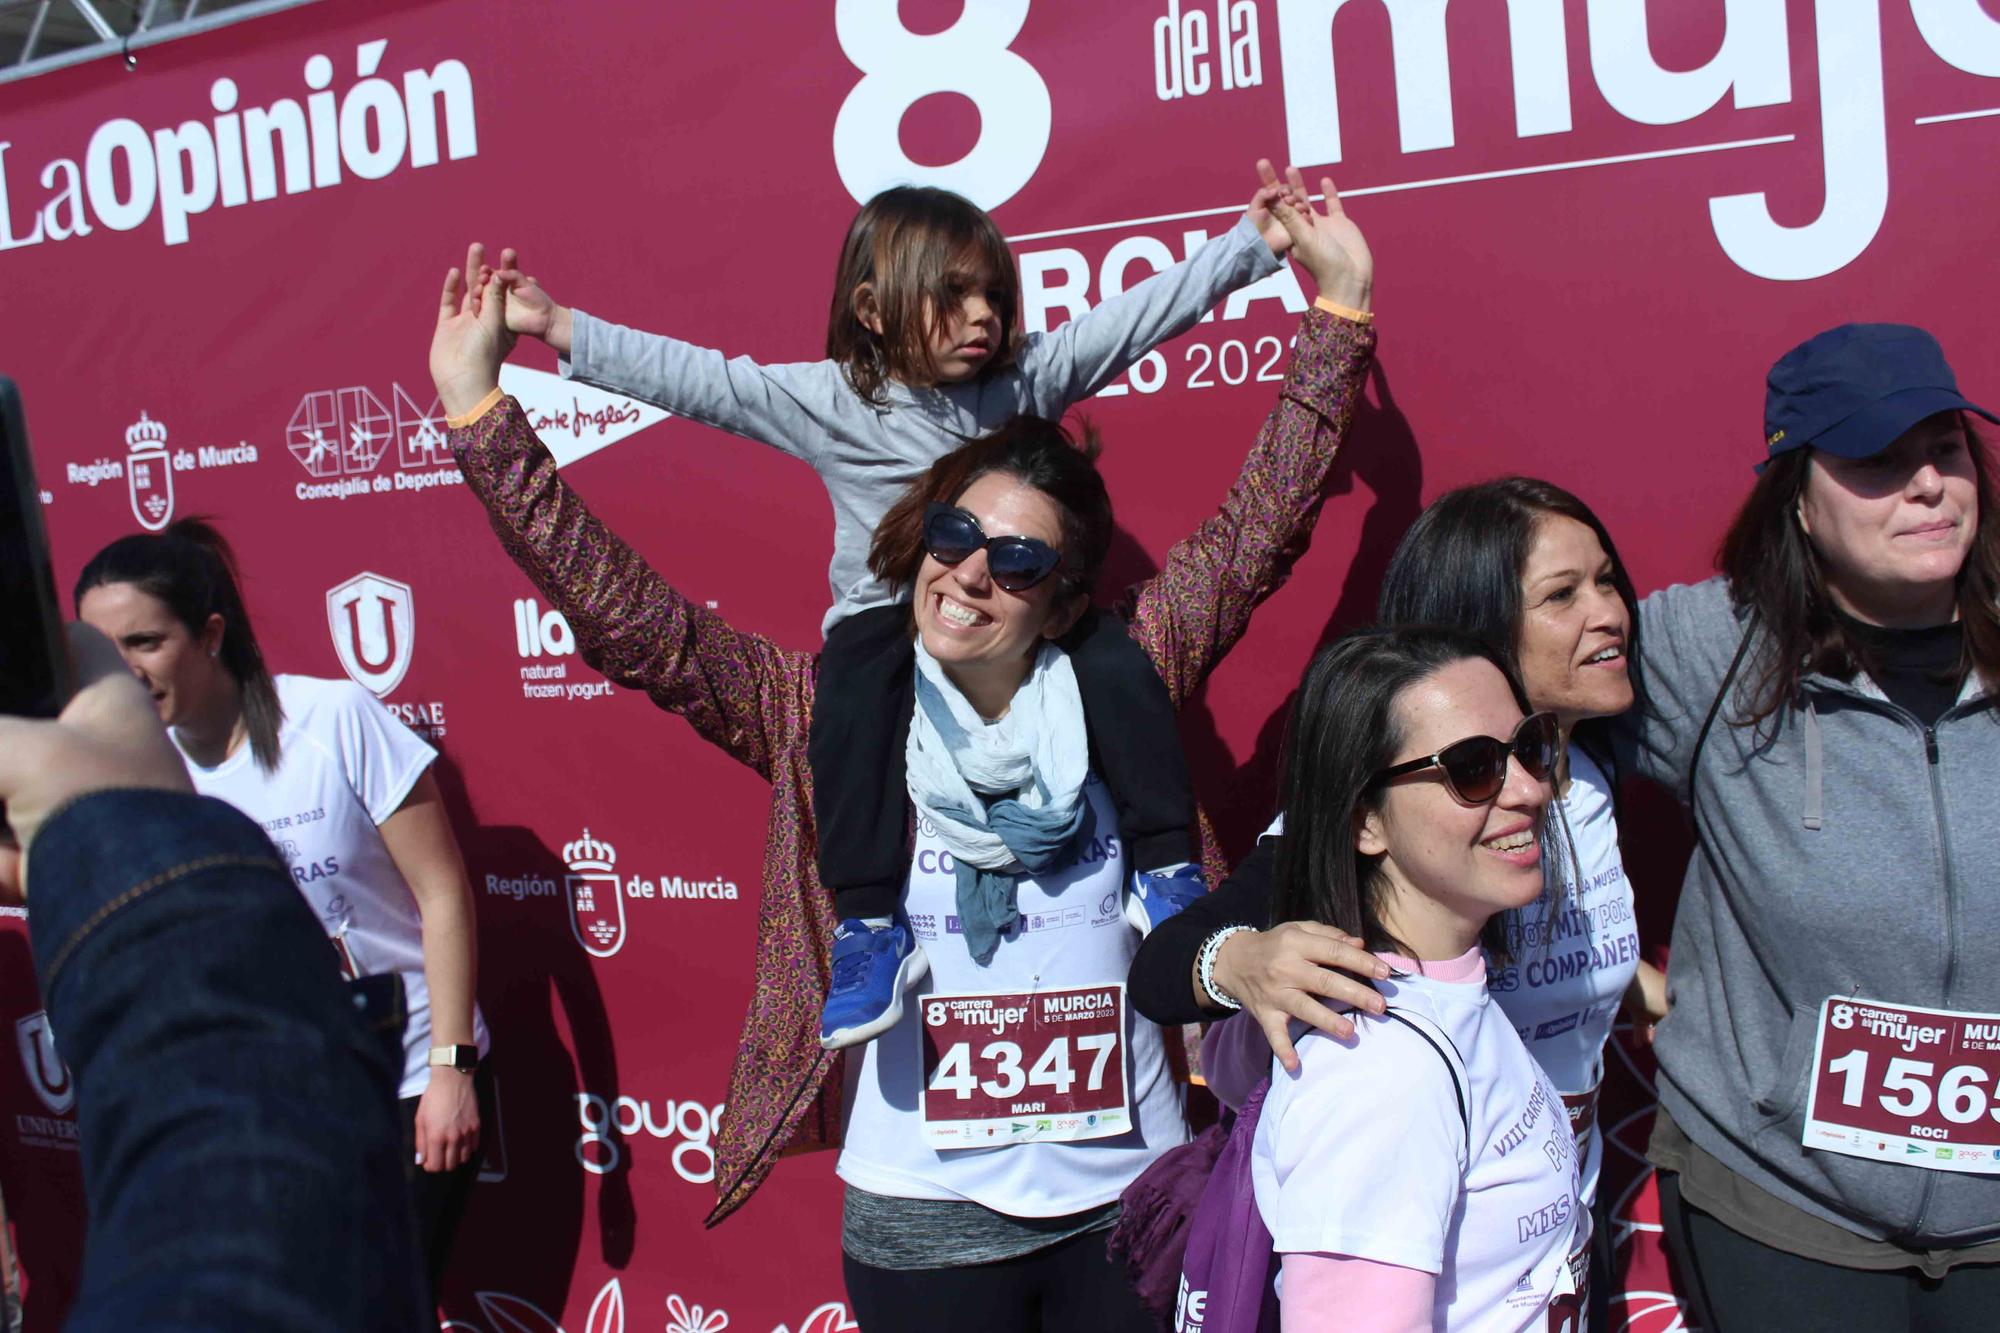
[471, 338]
[1329, 245]
[530, 309]
[1259, 211]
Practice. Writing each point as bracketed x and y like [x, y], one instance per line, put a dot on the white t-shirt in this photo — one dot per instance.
[1072, 932]
[1573, 964]
[345, 763]
[1363, 1153]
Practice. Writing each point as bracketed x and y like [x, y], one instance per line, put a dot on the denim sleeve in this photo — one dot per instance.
[237, 1123]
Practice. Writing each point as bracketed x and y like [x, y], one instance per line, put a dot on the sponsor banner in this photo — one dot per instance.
[234, 253]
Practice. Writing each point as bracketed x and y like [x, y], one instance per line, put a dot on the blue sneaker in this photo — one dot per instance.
[872, 967]
[1156, 895]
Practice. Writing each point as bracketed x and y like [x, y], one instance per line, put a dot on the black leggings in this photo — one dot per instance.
[1738, 1285]
[1070, 1287]
[439, 1198]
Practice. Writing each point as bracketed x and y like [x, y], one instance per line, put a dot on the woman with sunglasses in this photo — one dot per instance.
[1421, 1174]
[1528, 567]
[984, 1149]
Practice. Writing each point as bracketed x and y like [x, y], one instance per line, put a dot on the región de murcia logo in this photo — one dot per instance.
[596, 908]
[148, 474]
[597, 895]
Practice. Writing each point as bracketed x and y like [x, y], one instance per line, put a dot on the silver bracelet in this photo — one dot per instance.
[1205, 967]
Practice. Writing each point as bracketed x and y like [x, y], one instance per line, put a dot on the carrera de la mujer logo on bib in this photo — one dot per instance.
[1005, 1067]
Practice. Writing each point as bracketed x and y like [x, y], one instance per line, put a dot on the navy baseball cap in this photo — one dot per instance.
[1851, 391]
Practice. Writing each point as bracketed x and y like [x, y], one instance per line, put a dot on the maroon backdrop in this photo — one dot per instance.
[1596, 225]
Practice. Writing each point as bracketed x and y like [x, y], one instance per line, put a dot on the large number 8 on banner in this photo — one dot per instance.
[900, 68]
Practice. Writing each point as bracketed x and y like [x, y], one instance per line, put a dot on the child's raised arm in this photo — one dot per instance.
[1074, 361]
[784, 406]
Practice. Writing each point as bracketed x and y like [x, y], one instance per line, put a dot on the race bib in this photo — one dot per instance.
[1570, 1307]
[1045, 1066]
[1916, 1086]
[1582, 1110]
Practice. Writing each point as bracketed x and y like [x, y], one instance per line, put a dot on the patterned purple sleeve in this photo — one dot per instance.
[740, 691]
[1189, 615]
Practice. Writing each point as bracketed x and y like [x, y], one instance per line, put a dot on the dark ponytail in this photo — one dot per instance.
[191, 570]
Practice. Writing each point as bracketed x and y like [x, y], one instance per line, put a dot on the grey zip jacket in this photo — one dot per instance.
[1853, 853]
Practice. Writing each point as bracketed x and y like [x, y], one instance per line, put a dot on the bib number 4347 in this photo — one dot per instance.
[1013, 1067]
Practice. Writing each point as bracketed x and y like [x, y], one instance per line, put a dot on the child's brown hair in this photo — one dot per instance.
[915, 248]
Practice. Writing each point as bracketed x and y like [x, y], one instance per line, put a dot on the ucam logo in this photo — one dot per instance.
[374, 626]
[606, 1123]
[130, 175]
[47, 1074]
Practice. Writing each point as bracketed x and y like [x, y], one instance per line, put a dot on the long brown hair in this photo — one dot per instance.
[914, 248]
[1041, 454]
[190, 569]
[1341, 733]
[1775, 574]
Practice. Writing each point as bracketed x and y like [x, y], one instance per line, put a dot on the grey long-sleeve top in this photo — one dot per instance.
[868, 454]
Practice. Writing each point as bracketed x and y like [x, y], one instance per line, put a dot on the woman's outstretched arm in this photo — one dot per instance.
[740, 691]
[1192, 613]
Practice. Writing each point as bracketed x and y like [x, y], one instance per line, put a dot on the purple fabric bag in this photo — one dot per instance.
[1153, 1214]
[1228, 1274]
[1192, 1241]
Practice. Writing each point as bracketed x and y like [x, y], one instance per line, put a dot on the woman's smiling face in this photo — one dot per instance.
[981, 634]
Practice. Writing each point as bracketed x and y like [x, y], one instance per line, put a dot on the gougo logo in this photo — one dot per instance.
[606, 1124]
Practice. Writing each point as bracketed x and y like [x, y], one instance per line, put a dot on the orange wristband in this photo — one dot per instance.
[486, 405]
[1345, 312]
